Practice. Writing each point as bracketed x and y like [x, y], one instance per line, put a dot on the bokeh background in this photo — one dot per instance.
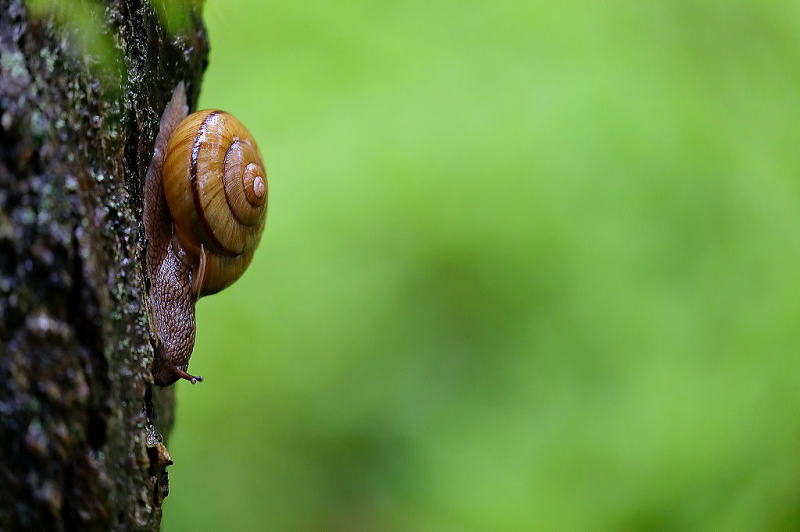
[527, 265]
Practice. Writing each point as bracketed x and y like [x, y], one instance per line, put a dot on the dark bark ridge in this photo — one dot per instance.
[81, 425]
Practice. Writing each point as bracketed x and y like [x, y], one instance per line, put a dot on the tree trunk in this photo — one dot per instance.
[83, 84]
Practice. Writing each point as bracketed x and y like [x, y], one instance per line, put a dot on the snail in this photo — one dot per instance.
[205, 202]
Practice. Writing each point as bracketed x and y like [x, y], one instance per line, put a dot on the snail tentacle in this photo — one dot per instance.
[191, 378]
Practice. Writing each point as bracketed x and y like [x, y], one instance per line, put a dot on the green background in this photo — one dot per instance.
[527, 265]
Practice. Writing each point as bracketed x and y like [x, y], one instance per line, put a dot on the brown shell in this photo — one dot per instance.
[217, 189]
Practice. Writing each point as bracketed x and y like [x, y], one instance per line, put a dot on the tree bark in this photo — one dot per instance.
[83, 84]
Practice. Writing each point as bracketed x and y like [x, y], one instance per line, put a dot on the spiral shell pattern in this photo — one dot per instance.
[216, 188]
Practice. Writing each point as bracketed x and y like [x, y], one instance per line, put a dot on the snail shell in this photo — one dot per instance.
[216, 188]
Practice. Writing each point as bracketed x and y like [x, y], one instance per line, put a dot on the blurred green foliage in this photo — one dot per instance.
[527, 265]
[83, 24]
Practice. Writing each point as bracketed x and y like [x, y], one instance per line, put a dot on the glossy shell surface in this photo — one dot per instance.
[216, 188]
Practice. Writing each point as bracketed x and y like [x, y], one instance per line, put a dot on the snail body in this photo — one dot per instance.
[204, 212]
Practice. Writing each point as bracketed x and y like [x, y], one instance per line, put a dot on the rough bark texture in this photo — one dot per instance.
[81, 425]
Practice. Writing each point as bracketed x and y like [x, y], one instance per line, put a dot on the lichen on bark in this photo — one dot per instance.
[81, 426]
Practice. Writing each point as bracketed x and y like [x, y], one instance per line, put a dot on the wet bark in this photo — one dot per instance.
[82, 87]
